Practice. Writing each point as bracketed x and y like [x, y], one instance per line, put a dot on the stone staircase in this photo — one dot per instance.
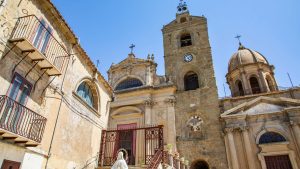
[129, 167]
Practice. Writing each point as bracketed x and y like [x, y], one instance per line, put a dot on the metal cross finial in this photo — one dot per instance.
[239, 38]
[131, 47]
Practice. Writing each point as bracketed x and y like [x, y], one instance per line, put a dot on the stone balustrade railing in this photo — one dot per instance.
[174, 161]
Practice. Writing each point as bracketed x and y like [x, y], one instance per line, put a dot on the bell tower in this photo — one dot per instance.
[188, 63]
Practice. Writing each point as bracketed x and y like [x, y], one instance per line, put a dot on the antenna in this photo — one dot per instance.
[224, 90]
[290, 80]
[97, 63]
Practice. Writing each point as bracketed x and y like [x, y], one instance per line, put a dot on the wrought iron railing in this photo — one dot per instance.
[156, 160]
[20, 120]
[149, 138]
[36, 32]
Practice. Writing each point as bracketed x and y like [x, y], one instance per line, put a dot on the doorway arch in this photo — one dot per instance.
[199, 164]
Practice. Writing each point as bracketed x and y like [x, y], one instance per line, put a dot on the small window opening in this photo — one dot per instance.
[186, 40]
[182, 20]
[254, 85]
[240, 88]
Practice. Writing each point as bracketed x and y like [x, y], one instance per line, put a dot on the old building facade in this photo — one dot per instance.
[53, 101]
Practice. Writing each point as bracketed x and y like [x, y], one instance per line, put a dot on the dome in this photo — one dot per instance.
[245, 56]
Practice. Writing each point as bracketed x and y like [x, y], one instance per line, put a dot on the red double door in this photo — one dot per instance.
[278, 162]
[127, 141]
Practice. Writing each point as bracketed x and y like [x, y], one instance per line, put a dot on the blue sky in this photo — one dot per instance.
[107, 28]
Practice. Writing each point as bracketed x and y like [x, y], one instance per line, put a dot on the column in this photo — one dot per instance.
[296, 130]
[148, 111]
[233, 153]
[249, 152]
[246, 84]
[171, 128]
[264, 86]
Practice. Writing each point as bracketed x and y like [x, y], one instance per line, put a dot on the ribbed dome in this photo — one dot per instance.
[245, 56]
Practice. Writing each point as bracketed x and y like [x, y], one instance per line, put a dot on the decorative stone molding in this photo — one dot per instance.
[195, 123]
[171, 101]
[293, 123]
[243, 128]
[149, 102]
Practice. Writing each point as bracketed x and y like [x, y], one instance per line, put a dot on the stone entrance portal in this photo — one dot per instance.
[199, 164]
[124, 138]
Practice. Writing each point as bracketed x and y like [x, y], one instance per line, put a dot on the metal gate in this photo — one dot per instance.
[148, 141]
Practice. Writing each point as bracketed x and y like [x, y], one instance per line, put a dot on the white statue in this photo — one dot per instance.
[120, 163]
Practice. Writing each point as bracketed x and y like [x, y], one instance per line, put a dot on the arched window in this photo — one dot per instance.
[191, 81]
[129, 83]
[84, 91]
[240, 88]
[271, 85]
[199, 164]
[271, 137]
[186, 40]
[254, 85]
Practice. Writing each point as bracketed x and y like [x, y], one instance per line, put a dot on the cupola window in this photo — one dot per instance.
[254, 85]
[191, 81]
[240, 88]
[186, 40]
[129, 83]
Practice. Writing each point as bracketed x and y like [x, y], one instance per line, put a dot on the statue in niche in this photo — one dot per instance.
[120, 163]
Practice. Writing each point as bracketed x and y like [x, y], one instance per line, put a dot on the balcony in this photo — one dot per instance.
[19, 124]
[34, 37]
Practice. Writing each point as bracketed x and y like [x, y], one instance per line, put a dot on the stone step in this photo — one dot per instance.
[129, 167]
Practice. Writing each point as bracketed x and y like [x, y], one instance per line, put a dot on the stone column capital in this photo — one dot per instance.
[294, 123]
[228, 130]
[171, 101]
[149, 102]
[244, 128]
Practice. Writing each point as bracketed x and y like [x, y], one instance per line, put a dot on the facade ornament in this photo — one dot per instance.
[244, 128]
[171, 101]
[195, 123]
[149, 102]
[293, 123]
[228, 130]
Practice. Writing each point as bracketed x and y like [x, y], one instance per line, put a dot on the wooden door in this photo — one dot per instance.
[10, 165]
[278, 162]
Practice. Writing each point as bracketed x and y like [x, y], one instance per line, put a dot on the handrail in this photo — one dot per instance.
[39, 35]
[156, 160]
[18, 119]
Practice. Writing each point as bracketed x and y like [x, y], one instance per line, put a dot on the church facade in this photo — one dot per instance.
[57, 111]
[256, 128]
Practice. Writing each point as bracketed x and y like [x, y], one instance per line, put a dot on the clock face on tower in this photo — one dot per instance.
[188, 58]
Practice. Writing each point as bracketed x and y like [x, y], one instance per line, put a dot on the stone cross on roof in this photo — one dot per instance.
[132, 46]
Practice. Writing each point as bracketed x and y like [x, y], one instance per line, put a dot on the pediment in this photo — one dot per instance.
[131, 61]
[262, 105]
